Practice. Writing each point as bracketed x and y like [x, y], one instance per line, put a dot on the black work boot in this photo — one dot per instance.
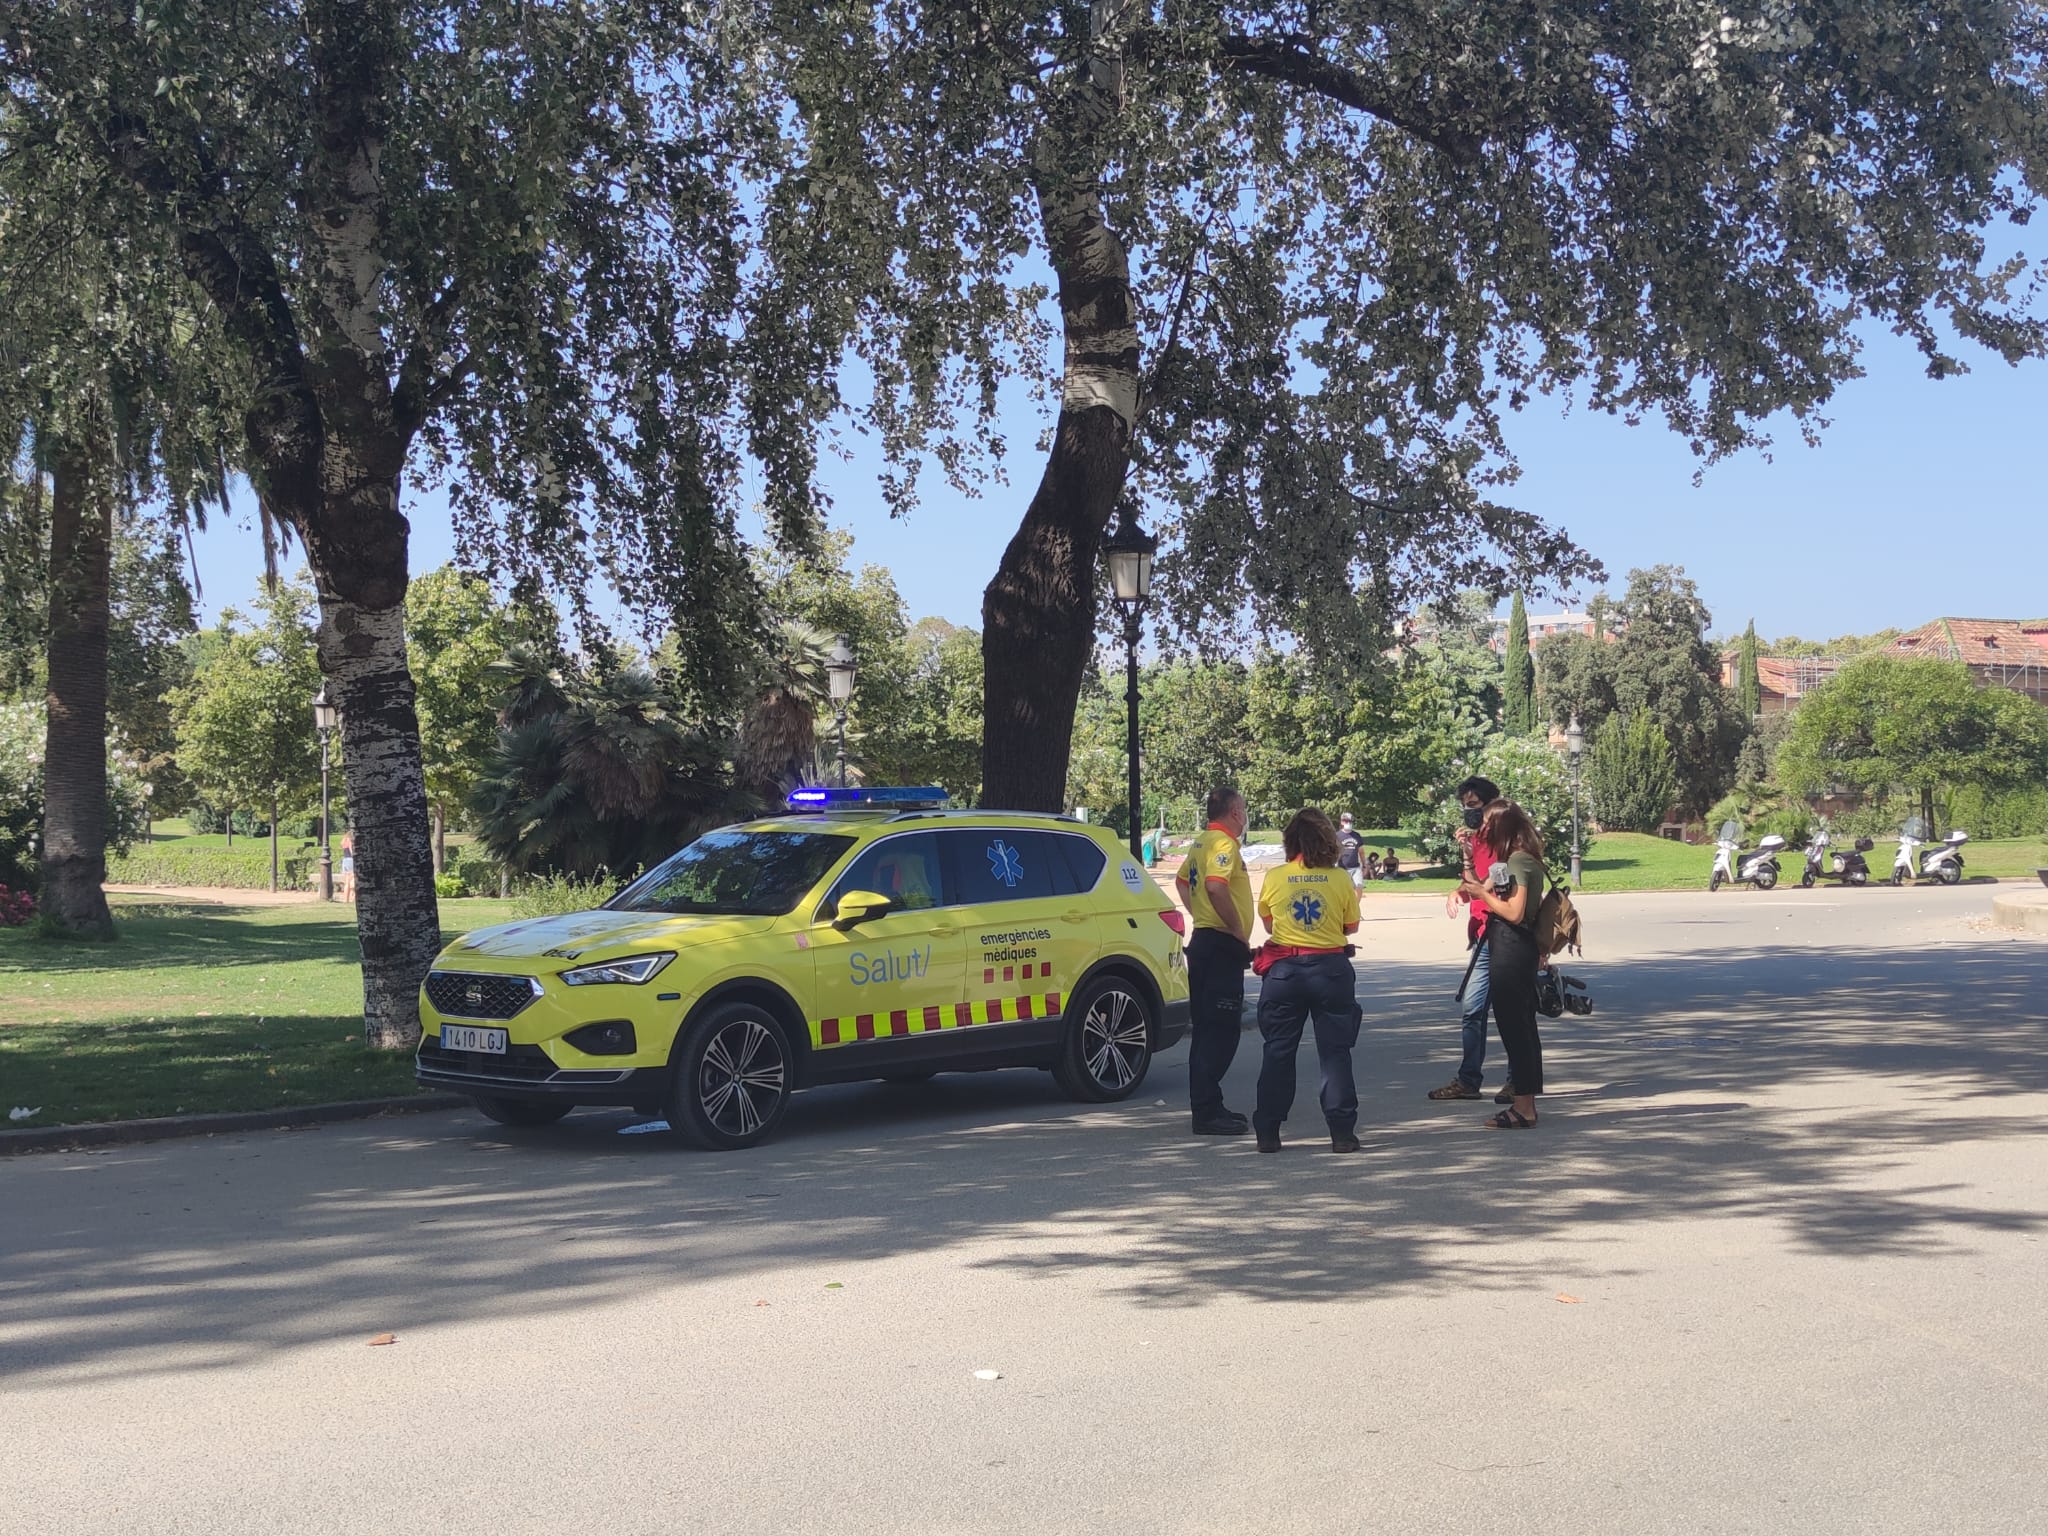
[1222, 1123]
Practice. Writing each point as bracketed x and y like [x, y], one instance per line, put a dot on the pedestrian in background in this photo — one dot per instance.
[1474, 796]
[1310, 907]
[1512, 893]
[348, 865]
[1217, 893]
[1348, 845]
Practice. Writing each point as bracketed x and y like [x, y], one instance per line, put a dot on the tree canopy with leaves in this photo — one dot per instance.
[1887, 723]
[1518, 674]
[496, 242]
[455, 630]
[245, 722]
[1308, 260]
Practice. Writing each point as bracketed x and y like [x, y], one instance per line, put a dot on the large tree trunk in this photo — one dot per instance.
[1038, 614]
[357, 549]
[74, 860]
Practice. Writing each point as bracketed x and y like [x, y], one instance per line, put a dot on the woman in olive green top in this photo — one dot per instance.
[1513, 892]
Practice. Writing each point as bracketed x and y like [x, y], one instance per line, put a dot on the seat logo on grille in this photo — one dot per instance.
[474, 994]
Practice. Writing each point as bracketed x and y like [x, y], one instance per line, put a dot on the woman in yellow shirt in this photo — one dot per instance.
[1310, 908]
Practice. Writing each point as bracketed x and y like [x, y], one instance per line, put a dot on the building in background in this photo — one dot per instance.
[2000, 653]
[1782, 681]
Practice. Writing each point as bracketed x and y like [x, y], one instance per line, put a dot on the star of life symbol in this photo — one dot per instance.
[1005, 863]
[1223, 860]
[1308, 911]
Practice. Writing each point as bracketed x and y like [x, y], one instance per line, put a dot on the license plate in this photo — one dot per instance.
[468, 1037]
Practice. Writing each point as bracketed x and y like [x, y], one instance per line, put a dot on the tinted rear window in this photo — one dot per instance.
[1005, 864]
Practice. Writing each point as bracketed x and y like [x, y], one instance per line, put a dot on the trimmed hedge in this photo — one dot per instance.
[229, 868]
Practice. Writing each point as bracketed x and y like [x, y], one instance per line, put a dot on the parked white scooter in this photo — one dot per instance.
[1733, 866]
[1943, 862]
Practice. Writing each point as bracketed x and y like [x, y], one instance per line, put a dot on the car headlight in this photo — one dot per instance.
[632, 970]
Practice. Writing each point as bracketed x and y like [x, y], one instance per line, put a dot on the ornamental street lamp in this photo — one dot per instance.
[1130, 550]
[839, 670]
[1575, 743]
[325, 718]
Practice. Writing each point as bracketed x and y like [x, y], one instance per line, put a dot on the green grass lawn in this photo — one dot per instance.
[195, 1007]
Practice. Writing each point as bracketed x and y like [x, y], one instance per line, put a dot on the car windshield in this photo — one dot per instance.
[745, 874]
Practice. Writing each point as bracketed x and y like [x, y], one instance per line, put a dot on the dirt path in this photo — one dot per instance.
[217, 895]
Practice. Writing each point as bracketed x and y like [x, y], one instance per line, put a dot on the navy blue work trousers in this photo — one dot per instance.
[1321, 989]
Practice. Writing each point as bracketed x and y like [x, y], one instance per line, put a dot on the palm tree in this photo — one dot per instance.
[594, 774]
[778, 743]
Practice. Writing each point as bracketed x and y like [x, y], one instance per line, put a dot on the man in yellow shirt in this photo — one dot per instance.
[1217, 892]
[1311, 908]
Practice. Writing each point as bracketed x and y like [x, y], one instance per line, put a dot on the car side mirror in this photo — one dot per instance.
[857, 907]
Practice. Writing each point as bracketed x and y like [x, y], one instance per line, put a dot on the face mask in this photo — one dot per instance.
[1474, 816]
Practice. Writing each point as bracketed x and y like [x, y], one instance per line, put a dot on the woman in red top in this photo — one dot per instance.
[1474, 795]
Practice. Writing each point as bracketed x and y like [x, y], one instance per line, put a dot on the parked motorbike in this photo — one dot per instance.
[1733, 865]
[1943, 862]
[1849, 868]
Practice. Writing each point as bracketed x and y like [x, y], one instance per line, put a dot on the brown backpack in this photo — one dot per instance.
[1557, 923]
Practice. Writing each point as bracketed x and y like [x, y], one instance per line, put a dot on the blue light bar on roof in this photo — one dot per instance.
[896, 797]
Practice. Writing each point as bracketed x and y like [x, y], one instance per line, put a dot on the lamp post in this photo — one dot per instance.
[325, 718]
[839, 670]
[1129, 551]
[1575, 743]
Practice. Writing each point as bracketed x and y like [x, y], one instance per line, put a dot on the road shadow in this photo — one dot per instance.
[1725, 1085]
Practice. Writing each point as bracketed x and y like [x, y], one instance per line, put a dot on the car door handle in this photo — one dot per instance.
[1074, 917]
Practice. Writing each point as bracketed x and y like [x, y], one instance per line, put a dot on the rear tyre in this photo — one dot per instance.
[1106, 1049]
[524, 1113]
[1951, 874]
[731, 1078]
[1767, 879]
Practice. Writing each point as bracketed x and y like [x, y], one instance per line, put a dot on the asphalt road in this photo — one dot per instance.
[1793, 1172]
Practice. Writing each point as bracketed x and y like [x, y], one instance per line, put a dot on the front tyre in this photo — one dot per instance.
[1106, 1048]
[524, 1113]
[1898, 877]
[731, 1078]
[1714, 881]
[1806, 881]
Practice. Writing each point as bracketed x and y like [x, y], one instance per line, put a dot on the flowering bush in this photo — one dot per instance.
[1529, 772]
[22, 734]
[16, 908]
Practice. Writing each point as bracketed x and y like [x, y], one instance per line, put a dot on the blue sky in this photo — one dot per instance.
[1923, 499]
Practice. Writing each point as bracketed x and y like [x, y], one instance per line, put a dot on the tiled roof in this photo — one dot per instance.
[1791, 676]
[1980, 641]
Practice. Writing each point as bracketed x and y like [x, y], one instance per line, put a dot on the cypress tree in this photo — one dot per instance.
[1747, 678]
[1518, 686]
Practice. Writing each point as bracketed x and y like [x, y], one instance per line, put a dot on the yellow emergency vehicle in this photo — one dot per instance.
[868, 933]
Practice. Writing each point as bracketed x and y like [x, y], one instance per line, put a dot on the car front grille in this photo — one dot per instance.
[479, 995]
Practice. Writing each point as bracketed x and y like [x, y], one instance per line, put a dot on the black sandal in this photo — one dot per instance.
[1509, 1119]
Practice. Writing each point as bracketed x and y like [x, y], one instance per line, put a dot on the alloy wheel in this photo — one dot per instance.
[741, 1078]
[1114, 1039]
